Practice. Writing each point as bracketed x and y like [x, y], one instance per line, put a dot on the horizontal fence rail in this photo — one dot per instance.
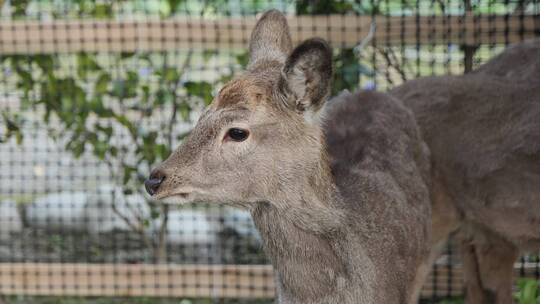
[168, 280]
[131, 280]
[61, 36]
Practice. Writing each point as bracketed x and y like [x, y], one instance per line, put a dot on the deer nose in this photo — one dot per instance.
[154, 181]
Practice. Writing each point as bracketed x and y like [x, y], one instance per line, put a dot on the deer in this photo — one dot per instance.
[483, 134]
[338, 189]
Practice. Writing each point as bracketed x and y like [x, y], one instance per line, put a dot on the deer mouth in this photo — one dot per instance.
[175, 198]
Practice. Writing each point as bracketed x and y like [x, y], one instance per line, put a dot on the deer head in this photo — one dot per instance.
[261, 137]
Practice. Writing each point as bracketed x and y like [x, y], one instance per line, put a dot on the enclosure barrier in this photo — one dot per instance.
[172, 280]
[68, 36]
[128, 280]
[187, 33]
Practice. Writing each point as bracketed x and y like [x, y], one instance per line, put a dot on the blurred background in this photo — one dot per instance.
[93, 93]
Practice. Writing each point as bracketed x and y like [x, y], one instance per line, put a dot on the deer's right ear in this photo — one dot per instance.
[270, 39]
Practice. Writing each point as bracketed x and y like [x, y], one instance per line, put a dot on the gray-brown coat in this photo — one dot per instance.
[483, 131]
[337, 191]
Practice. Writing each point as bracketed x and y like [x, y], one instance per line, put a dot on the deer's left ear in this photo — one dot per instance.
[306, 76]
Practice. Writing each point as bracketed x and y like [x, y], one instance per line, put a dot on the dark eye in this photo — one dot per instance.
[237, 134]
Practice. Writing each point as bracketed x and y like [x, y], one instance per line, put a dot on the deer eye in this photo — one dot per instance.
[237, 134]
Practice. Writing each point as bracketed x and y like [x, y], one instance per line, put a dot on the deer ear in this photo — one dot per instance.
[306, 76]
[270, 39]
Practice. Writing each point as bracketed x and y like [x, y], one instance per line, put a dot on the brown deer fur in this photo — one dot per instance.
[339, 192]
[483, 132]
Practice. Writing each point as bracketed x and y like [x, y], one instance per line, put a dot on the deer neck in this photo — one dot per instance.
[301, 230]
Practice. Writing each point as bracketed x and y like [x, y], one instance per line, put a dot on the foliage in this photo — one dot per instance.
[12, 126]
[111, 111]
[457, 300]
[347, 71]
[324, 7]
[126, 114]
[347, 68]
[528, 291]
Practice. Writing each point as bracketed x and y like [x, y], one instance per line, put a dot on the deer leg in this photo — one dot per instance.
[488, 266]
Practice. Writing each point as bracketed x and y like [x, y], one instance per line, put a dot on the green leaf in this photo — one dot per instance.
[127, 87]
[126, 55]
[529, 291]
[102, 83]
[163, 96]
[123, 120]
[45, 62]
[113, 151]
[85, 64]
[162, 151]
[146, 223]
[118, 88]
[19, 7]
[96, 106]
[184, 109]
[207, 54]
[323, 7]
[145, 98]
[132, 77]
[242, 59]
[103, 10]
[100, 149]
[19, 137]
[107, 130]
[173, 5]
[26, 81]
[128, 174]
[76, 147]
[72, 100]
[171, 75]
[12, 125]
[149, 138]
[154, 213]
[201, 89]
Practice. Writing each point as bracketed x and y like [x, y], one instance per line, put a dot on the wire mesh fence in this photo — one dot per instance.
[94, 93]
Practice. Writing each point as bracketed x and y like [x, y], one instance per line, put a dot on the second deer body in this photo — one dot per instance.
[483, 132]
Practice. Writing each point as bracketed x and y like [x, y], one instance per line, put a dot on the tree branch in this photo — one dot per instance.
[172, 120]
[392, 61]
